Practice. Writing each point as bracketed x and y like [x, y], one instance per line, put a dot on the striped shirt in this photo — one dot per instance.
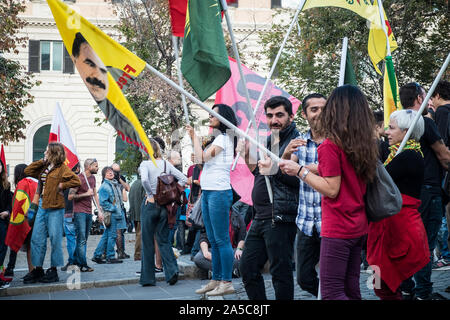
[309, 207]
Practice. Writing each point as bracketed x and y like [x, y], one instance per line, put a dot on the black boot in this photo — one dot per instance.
[51, 275]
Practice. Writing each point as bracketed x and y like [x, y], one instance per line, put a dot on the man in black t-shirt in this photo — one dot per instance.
[436, 156]
[441, 102]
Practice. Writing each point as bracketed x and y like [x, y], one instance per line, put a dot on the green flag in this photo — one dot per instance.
[205, 62]
[350, 76]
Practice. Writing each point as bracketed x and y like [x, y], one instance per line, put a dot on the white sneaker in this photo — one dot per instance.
[208, 287]
[223, 289]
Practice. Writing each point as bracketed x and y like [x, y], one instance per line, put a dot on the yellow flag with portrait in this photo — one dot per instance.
[107, 69]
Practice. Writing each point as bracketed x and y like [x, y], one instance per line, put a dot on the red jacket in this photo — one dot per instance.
[398, 245]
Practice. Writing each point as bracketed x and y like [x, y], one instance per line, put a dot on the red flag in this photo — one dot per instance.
[232, 93]
[59, 132]
[178, 16]
[3, 159]
[18, 225]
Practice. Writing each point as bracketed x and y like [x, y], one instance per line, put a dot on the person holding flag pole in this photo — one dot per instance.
[82, 197]
[247, 96]
[272, 70]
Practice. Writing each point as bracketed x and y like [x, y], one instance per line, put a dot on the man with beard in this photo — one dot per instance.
[304, 151]
[272, 232]
[82, 208]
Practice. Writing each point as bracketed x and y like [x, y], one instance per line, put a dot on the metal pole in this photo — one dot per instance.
[180, 79]
[300, 7]
[383, 25]
[424, 103]
[247, 96]
[93, 198]
[215, 114]
[343, 62]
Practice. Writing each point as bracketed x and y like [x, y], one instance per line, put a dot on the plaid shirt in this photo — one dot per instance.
[309, 207]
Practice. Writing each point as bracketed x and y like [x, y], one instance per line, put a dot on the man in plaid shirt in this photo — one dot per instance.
[304, 151]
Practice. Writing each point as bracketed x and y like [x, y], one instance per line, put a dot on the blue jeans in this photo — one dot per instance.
[442, 242]
[48, 222]
[154, 222]
[431, 211]
[71, 240]
[83, 222]
[216, 215]
[107, 241]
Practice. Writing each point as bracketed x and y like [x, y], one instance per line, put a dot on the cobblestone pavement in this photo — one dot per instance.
[120, 282]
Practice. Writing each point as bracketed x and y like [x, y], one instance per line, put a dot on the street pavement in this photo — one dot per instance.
[120, 282]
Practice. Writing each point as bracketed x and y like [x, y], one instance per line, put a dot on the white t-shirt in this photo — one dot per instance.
[216, 171]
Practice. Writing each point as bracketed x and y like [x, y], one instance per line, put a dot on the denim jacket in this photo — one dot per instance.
[107, 199]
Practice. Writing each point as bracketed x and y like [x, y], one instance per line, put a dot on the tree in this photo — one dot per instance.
[310, 62]
[145, 29]
[15, 83]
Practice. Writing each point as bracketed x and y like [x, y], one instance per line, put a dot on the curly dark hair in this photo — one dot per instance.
[348, 121]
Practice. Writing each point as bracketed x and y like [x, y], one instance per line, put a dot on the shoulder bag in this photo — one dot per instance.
[383, 199]
[166, 189]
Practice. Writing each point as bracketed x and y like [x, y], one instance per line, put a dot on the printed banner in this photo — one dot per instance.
[107, 69]
[233, 94]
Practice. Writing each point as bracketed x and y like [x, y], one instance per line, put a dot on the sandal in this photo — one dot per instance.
[86, 269]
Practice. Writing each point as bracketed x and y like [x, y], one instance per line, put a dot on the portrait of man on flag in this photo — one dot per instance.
[107, 69]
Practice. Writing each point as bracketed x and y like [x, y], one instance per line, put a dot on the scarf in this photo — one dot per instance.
[115, 186]
[410, 144]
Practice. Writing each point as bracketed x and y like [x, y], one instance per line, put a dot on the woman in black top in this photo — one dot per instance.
[398, 245]
[5, 211]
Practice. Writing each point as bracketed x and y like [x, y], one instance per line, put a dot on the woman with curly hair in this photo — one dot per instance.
[347, 162]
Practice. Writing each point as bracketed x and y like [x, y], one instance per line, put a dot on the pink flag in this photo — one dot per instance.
[3, 159]
[232, 93]
[59, 132]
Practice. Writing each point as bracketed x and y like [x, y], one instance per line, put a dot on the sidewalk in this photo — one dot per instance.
[104, 275]
[120, 282]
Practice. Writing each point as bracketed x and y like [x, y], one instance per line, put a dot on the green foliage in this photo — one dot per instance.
[14, 82]
[310, 62]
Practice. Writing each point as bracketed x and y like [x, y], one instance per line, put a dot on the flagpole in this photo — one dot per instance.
[180, 79]
[255, 111]
[424, 103]
[343, 61]
[89, 187]
[238, 131]
[247, 96]
[383, 25]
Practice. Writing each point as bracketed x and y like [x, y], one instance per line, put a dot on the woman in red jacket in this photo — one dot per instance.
[397, 246]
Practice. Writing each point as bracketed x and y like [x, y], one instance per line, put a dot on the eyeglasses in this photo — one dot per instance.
[92, 160]
[211, 116]
[418, 89]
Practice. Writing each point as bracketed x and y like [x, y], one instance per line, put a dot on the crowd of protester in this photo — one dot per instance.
[313, 223]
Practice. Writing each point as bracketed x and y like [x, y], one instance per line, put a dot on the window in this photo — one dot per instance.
[121, 146]
[276, 4]
[40, 142]
[49, 56]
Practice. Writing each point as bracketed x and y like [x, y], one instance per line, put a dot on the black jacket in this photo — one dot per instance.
[284, 187]
[5, 202]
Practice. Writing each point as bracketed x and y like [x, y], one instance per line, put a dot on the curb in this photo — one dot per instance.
[43, 288]
[187, 270]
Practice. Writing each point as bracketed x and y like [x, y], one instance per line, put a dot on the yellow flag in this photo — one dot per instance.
[376, 45]
[107, 69]
[391, 97]
[364, 8]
